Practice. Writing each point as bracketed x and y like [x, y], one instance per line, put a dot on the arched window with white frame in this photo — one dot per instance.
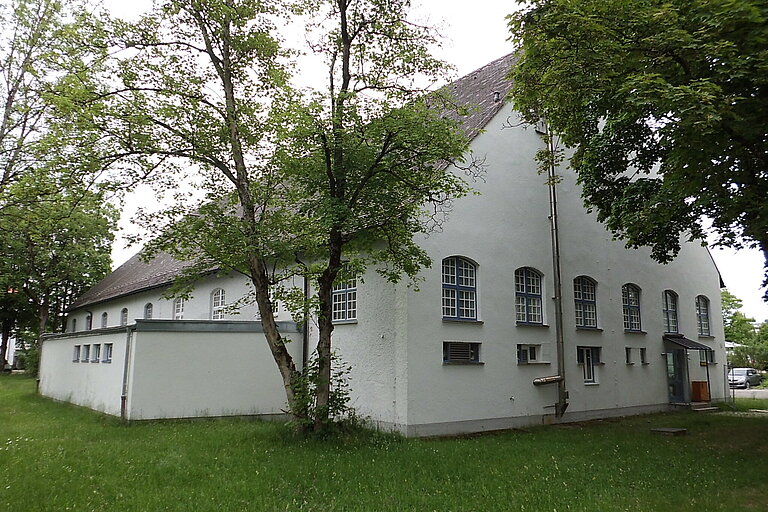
[148, 311]
[104, 320]
[124, 316]
[218, 303]
[178, 308]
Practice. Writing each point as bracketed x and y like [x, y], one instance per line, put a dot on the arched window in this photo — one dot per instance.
[218, 302]
[88, 322]
[630, 300]
[74, 325]
[148, 311]
[528, 292]
[702, 315]
[343, 296]
[585, 299]
[670, 311]
[124, 316]
[104, 320]
[178, 309]
[459, 289]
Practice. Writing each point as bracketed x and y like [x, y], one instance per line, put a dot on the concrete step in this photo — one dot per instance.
[705, 409]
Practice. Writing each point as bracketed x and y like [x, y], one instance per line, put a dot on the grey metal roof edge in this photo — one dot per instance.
[157, 325]
[679, 339]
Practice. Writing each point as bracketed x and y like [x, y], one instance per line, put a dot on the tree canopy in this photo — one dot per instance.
[665, 104]
[295, 181]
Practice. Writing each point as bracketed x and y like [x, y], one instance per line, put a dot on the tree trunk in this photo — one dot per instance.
[325, 327]
[5, 337]
[42, 315]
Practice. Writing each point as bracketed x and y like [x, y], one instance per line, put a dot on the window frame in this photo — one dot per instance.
[343, 296]
[149, 311]
[218, 304]
[670, 312]
[703, 325]
[452, 352]
[106, 356]
[589, 359]
[104, 320]
[628, 356]
[644, 356]
[124, 317]
[95, 352]
[628, 308]
[582, 304]
[528, 299]
[85, 353]
[178, 308]
[74, 325]
[88, 322]
[524, 351]
[76, 354]
[455, 291]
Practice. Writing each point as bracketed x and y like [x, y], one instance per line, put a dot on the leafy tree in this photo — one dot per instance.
[54, 248]
[296, 183]
[665, 105]
[738, 328]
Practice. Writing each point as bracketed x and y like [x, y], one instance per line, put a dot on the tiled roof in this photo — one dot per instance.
[133, 276]
[477, 91]
[483, 92]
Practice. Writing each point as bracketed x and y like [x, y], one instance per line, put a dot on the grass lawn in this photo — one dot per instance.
[60, 457]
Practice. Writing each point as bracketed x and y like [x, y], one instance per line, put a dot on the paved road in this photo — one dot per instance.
[751, 393]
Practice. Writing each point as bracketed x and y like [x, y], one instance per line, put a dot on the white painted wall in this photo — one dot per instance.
[94, 385]
[190, 374]
[505, 228]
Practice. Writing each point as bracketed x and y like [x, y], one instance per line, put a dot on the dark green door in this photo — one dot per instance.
[676, 374]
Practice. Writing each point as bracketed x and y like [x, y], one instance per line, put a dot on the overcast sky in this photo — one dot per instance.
[476, 34]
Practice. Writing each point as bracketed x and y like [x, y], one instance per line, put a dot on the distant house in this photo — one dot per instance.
[459, 355]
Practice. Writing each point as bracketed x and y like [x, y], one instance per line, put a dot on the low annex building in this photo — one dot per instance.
[460, 354]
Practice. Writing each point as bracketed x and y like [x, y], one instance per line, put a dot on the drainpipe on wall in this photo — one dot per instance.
[305, 329]
[562, 392]
[124, 394]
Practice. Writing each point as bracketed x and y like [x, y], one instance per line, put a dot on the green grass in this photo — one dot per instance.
[59, 457]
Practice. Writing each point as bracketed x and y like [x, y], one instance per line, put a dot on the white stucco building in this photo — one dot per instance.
[460, 354]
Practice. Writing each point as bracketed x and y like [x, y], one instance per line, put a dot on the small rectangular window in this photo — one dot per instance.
[96, 353]
[706, 357]
[85, 354]
[589, 359]
[528, 354]
[76, 354]
[628, 355]
[107, 356]
[461, 352]
[643, 356]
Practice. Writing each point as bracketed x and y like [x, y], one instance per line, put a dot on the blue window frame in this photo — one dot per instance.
[528, 291]
[630, 299]
[585, 299]
[670, 311]
[459, 289]
[702, 315]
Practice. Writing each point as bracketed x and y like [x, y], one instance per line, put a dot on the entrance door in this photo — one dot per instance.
[676, 374]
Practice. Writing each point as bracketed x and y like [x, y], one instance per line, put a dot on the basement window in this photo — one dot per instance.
[107, 356]
[461, 352]
[628, 355]
[643, 356]
[527, 354]
[589, 359]
[96, 353]
[85, 354]
[76, 354]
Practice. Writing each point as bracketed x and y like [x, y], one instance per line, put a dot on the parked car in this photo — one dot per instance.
[744, 378]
